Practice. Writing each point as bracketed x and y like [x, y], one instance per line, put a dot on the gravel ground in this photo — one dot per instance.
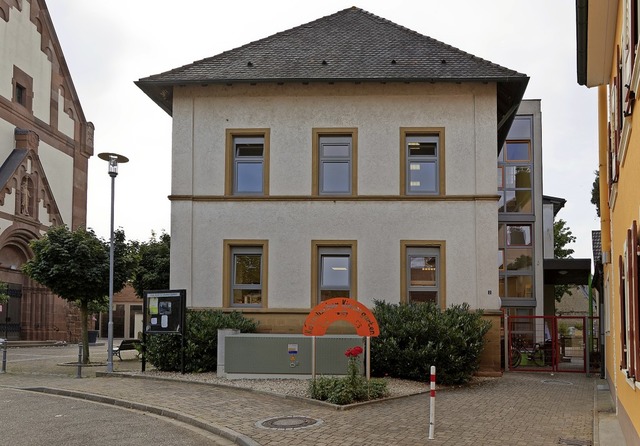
[297, 387]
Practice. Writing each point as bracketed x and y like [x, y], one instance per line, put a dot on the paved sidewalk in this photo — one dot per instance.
[518, 409]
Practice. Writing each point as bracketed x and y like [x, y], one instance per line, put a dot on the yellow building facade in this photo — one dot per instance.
[607, 55]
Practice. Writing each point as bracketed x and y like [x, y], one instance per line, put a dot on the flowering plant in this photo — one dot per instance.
[353, 352]
[351, 388]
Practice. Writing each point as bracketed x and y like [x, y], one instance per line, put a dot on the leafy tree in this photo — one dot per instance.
[152, 271]
[75, 266]
[562, 236]
[595, 192]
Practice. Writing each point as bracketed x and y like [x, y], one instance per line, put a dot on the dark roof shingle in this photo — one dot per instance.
[350, 45]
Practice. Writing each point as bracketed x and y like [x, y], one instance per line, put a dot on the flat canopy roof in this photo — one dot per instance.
[567, 271]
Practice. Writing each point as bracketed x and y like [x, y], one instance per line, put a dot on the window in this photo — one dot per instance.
[245, 273]
[515, 180]
[423, 272]
[333, 270]
[247, 162]
[629, 305]
[334, 161]
[422, 161]
[21, 95]
[515, 260]
[22, 88]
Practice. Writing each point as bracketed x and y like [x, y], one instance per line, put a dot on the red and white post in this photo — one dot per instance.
[432, 402]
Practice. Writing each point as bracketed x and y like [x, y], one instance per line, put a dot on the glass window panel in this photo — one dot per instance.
[501, 289]
[247, 269]
[247, 297]
[330, 294]
[254, 150]
[501, 153]
[422, 177]
[335, 271]
[500, 259]
[500, 178]
[423, 148]
[510, 204]
[501, 238]
[523, 202]
[518, 235]
[520, 129]
[523, 177]
[519, 259]
[501, 202]
[520, 286]
[336, 177]
[518, 177]
[423, 271]
[518, 151]
[423, 296]
[249, 177]
[336, 150]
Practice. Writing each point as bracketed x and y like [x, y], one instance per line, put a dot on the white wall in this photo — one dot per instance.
[59, 170]
[469, 228]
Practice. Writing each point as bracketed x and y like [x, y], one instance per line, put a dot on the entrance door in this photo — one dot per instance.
[553, 343]
[10, 314]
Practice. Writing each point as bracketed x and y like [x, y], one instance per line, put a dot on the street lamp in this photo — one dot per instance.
[113, 159]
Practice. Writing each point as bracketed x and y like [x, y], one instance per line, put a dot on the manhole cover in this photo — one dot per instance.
[288, 423]
[557, 382]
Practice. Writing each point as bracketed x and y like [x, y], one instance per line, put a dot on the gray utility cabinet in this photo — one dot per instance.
[287, 354]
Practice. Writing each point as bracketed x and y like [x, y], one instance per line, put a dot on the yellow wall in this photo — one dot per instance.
[615, 222]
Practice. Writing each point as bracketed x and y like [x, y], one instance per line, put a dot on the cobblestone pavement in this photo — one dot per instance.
[518, 409]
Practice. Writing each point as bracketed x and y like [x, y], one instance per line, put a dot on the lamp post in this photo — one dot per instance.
[113, 159]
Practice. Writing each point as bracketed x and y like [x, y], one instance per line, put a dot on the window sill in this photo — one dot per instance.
[631, 382]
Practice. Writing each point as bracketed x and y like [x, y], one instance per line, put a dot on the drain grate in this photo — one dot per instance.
[574, 442]
[288, 423]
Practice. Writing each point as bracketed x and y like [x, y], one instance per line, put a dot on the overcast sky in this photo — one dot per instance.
[109, 44]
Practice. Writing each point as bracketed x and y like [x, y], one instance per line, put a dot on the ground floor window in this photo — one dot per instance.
[333, 270]
[245, 273]
[423, 272]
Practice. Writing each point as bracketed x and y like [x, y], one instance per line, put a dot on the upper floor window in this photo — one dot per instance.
[515, 178]
[247, 162]
[334, 161]
[22, 88]
[422, 161]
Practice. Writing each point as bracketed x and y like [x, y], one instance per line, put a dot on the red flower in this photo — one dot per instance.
[353, 352]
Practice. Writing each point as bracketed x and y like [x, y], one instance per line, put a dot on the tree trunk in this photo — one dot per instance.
[84, 313]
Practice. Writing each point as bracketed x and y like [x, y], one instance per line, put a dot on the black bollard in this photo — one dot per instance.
[3, 344]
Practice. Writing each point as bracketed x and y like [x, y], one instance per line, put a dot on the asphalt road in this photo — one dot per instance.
[33, 419]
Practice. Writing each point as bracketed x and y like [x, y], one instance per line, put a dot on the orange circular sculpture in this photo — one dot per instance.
[340, 309]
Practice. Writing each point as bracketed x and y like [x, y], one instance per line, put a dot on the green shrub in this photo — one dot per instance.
[349, 389]
[201, 341]
[413, 337]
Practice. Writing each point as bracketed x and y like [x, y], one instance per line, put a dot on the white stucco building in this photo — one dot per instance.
[45, 145]
[346, 157]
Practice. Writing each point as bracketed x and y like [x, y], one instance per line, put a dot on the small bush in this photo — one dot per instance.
[413, 337]
[351, 388]
[201, 341]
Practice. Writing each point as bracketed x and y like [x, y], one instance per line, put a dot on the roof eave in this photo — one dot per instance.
[161, 91]
[595, 34]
